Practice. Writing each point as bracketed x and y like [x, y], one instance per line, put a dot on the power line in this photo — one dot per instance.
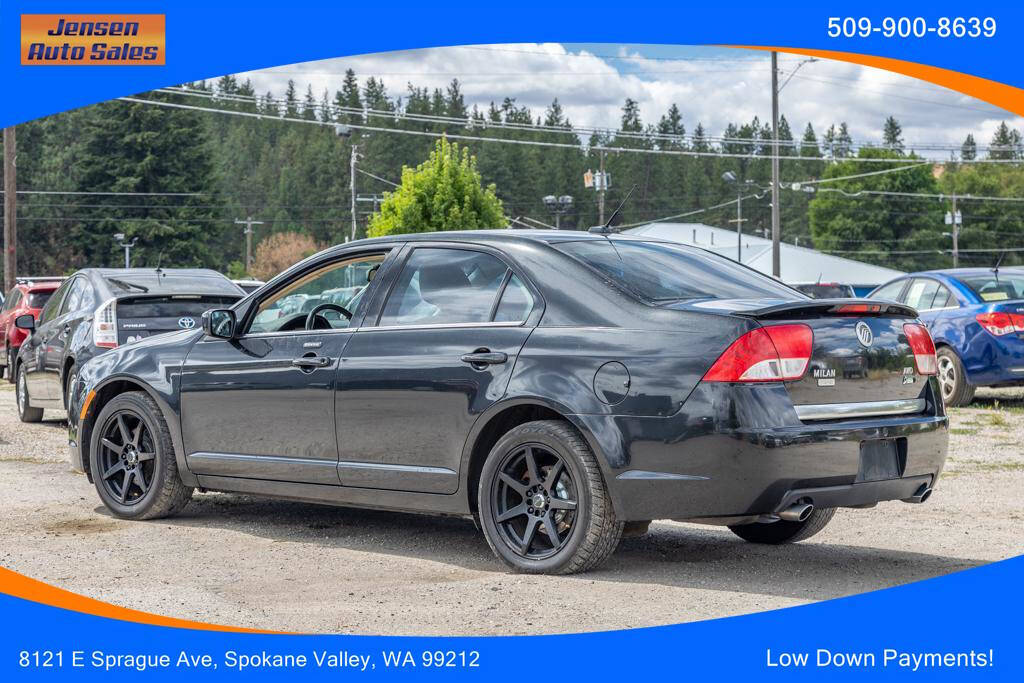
[576, 131]
[535, 143]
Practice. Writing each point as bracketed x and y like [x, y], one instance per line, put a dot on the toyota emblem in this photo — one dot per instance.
[187, 323]
[864, 334]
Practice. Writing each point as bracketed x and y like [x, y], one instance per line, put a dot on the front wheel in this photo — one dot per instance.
[777, 533]
[132, 460]
[26, 413]
[956, 390]
[544, 506]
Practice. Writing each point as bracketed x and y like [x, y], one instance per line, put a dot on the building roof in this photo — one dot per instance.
[799, 264]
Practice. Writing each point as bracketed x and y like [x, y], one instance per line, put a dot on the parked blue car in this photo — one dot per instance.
[976, 317]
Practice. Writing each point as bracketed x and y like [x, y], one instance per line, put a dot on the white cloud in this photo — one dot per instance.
[717, 90]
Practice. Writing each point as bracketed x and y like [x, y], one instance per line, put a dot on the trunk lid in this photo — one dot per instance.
[859, 354]
[139, 317]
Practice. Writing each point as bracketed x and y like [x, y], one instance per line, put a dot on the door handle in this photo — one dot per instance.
[311, 362]
[485, 357]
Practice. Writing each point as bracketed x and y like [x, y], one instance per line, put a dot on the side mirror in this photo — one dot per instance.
[25, 322]
[220, 323]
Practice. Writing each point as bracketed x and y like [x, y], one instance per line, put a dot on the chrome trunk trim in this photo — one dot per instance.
[839, 411]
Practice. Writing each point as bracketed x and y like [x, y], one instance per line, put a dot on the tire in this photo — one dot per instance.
[69, 385]
[576, 504]
[956, 390]
[154, 488]
[21, 395]
[777, 533]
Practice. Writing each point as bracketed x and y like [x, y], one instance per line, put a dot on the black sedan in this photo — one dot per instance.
[561, 387]
[98, 309]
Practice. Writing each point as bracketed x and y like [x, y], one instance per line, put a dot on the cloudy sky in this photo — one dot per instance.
[714, 86]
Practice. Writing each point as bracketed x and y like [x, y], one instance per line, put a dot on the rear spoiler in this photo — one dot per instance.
[819, 307]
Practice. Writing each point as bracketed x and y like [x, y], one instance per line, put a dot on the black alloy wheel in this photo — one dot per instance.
[534, 502]
[127, 457]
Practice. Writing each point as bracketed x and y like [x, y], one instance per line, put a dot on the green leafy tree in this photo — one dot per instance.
[443, 193]
[969, 150]
[870, 226]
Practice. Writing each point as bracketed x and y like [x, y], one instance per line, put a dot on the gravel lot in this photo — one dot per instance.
[243, 561]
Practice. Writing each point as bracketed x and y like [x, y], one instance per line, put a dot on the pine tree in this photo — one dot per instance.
[131, 147]
[291, 101]
[892, 134]
[969, 150]
[1006, 143]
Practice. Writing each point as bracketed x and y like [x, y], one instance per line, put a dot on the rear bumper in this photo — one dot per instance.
[741, 450]
[991, 360]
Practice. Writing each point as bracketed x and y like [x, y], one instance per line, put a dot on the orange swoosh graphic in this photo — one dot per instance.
[1001, 95]
[21, 586]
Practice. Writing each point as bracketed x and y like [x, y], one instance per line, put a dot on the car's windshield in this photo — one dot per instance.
[657, 271]
[995, 286]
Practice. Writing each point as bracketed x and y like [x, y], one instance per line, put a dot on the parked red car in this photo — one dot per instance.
[28, 295]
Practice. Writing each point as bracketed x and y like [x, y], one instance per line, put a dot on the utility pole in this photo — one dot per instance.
[776, 225]
[955, 219]
[248, 223]
[600, 193]
[352, 179]
[10, 210]
[739, 224]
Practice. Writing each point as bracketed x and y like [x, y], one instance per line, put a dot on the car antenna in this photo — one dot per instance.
[159, 258]
[995, 268]
[606, 228]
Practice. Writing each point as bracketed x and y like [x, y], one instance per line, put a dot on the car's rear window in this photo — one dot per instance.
[38, 299]
[170, 284]
[995, 287]
[663, 272]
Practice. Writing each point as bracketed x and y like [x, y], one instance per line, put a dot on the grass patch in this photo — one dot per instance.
[963, 431]
[997, 420]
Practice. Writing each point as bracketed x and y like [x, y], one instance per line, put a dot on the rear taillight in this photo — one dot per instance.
[859, 308]
[768, 354]
[104, 325]
[999, 323]
[923, 347]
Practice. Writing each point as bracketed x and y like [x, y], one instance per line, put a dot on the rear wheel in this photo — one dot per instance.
[132, 460]
[956, 390]
[777, 533]
[544, 506]
[26, 413]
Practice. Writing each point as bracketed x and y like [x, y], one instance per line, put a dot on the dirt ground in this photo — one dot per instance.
[239, 560]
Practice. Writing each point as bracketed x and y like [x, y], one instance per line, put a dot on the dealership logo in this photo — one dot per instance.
[864, 334]
[92, 39]
[186, 323]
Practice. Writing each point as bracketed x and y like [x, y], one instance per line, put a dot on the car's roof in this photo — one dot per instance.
[504, 235]
[959, 272]
[167, 279]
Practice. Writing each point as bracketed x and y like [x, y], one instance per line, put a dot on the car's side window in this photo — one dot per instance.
[49, 311]
[921, 293]
[12, 300]
[891, 291]
[439, 286]
[516, 302]
[944, 299]
[73, 301]
[341, 283]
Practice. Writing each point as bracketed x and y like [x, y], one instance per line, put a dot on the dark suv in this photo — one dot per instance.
[99, 309]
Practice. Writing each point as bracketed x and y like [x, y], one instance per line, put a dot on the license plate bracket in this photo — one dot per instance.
[882, 459]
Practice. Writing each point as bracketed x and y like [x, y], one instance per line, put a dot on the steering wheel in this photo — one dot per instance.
[311, 318]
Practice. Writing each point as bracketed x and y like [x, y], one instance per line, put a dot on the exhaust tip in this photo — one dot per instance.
[798, 512]
[921, 495]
